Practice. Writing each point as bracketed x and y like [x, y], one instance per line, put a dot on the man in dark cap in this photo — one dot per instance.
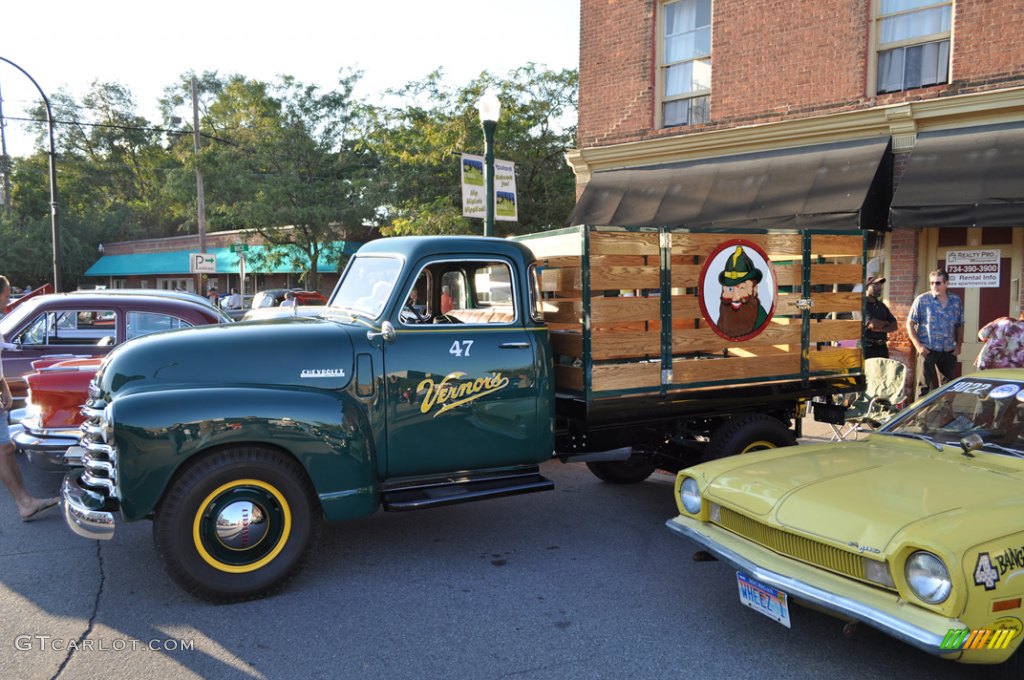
[878, 321]
[740, 312]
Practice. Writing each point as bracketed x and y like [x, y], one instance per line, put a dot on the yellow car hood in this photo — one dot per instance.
[861, 494]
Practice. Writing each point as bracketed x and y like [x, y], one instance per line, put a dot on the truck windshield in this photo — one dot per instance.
[992, 409]
[367, 285]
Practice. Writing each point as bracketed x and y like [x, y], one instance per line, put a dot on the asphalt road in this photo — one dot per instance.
[580, 582]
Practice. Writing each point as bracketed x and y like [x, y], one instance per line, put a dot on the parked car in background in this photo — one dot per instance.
[273, 297]
[916, 530]
[61, 340]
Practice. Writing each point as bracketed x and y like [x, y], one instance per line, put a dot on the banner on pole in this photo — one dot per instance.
[474, 189]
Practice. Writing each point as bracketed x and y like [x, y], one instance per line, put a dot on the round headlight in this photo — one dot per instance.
[928, 577]
[689, 494]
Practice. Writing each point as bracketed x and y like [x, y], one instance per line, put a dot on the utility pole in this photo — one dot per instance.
[200, 192]
[5, 162]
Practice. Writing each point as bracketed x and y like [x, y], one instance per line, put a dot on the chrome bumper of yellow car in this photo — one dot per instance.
[824, 590]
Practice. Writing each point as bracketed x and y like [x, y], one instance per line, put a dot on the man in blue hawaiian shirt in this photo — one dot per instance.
[936, 327]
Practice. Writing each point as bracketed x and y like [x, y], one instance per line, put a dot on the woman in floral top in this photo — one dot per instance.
[1004, 344]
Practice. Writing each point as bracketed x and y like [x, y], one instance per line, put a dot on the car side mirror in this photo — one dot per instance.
[387, 331]
[971, 442]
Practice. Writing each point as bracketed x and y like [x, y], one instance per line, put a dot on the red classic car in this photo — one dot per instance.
[61, 340]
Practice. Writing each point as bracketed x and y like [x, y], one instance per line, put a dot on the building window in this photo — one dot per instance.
[913, 43]
[686, 62]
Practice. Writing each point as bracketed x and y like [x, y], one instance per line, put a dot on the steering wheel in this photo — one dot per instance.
[409, 314]
[446, 318]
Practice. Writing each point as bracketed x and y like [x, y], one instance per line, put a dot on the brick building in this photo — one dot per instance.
[677, 88]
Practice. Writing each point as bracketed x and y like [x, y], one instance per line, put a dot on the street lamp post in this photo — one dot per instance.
[54, 222]
[490, 109]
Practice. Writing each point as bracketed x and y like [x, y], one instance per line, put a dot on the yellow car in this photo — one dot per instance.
[916, 530]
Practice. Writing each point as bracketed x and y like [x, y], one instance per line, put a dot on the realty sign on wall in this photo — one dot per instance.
[973, 268]
[473, 189]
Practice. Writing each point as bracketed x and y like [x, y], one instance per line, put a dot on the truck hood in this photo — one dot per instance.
[295, 351]
[863, 494]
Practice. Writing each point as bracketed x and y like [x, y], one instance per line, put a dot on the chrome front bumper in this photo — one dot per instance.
[915, 626]
[55, 451]
[84, 509]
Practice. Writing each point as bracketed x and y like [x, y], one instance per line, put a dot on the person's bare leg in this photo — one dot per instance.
[10, 475]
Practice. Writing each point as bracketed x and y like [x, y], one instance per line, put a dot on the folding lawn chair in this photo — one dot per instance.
[882, 397]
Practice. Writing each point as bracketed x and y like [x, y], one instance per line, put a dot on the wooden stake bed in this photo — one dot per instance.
[624, 308]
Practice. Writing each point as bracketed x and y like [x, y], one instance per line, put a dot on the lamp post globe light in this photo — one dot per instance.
[489, 107]
[54, 222]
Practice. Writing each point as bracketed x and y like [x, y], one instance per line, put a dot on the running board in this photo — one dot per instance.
[432, 493]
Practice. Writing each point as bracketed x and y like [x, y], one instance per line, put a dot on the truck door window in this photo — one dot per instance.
[490, 295]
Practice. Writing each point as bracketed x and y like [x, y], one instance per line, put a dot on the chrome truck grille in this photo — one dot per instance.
[99, 458]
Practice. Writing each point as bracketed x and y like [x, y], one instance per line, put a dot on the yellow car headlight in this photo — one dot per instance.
[689, 496]
[928, 577]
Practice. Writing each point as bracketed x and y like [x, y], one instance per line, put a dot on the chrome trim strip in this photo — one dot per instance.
[107, 484]
[80, 518]
[914, 635]
[99, 466]
[105, 449]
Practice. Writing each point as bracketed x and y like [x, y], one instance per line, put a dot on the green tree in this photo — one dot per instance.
[110, 172]
[419, 139]
[282, 158]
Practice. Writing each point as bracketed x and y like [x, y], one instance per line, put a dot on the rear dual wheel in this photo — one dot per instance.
[748, 433]
[237, 525]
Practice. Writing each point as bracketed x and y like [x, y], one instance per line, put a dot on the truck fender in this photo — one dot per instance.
[327, 432]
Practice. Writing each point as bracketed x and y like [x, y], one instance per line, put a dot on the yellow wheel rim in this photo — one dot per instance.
[206, 522]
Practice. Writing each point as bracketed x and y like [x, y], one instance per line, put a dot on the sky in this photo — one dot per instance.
[149, 45]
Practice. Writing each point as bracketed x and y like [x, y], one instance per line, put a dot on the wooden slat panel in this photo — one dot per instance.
[635, 345]
[789, 275]
[835, 302]
[561, 279]
[831, 330]
[623, 261]
[569, 378]
[624, 243]
[822, 274]
[685, 307]
[567, 344]
[556, 246]
[836, 246]
[686, 275]
[616, 309]
[568, 327]
[778, 246]
[565, 311]
[835, 360]
[626, 376]
[733, 368]
[624, 278]
[564, 261]
[706, 340]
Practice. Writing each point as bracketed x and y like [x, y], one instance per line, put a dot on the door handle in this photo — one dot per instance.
[514, 345]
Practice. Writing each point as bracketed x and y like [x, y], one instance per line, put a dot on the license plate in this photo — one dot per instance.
[762, 598]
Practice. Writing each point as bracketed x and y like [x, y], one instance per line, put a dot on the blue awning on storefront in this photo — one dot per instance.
[177, 262]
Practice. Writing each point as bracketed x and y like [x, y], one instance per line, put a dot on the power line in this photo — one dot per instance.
[133, 128]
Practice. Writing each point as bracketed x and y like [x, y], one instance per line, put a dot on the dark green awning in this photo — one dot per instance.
[842, 185]
[969, 177]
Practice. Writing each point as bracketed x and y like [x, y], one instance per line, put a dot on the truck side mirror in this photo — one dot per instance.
[387, 331]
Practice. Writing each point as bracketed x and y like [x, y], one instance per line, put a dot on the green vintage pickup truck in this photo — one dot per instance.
[445, 370]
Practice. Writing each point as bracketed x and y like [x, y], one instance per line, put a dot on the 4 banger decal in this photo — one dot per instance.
[988, 568]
